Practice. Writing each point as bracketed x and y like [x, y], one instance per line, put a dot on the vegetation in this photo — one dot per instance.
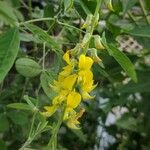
[74, 74]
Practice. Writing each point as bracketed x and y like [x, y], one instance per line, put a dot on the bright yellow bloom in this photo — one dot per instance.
[73, 99]
[65, 87]
[85, 62]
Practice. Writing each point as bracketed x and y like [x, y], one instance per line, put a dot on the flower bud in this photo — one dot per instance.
[94, 56]
[98, 43]
[109, 5]
[87, 22]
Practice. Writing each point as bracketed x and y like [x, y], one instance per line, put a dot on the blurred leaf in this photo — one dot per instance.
[128, 4]
[68, 4]
[26, 37]
[128, 122]
[80, 135]
[28, 67]
[2, 145]
[49, 11]
[9, 46]
[18, 117]
[142, 85]
[21, 106]
[122, 59]
[6, 13]
[4, 124]
[142, 31]
[44, 37]
[85, 7]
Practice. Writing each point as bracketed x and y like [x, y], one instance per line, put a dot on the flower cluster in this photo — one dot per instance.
[74, 84]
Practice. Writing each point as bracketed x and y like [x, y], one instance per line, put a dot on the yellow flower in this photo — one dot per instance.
[50, 110]
[85, 76]
[85, 62]
[72, 121]
[73, 99]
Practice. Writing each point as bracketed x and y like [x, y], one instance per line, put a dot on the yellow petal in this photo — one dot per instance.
[66, 71]
[73, 99]
[50, 110]
[67, 58]
[85, 62]
[69, 82]
[86, 95]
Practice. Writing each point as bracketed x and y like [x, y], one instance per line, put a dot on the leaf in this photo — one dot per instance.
[46, 80]
[128, 4]
[6, 13]
[68, 4]
[9, 46]
[21, 106]
[4, 124]
[28, 67]
[142, 86]
[80, 135]
[3, 145]
[142, 31]
[18, 117]
[128, 122]
[122, 59]
[43, 37]
[85, 7]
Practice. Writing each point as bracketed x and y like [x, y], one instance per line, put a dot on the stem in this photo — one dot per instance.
[30, 8]
[144, 11]
[43, 64]
[52, 145]
[50, 19]
[90, 30]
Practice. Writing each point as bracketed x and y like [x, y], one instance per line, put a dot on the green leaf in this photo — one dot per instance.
[9, 46]
[43, 37]
[21, 106]
[142, 31]
[46, 80]
[85, 7]
[18, 117]
[122, 59]
[68, 4]
[4, 124]
[3, 145]
[128, 4]
[28, 67]
[128, 122]
[7, 14]
[142, 86]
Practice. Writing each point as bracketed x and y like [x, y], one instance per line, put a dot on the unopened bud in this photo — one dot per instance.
[94, 55]
[98, 43]
[109, 5]
[87, 22]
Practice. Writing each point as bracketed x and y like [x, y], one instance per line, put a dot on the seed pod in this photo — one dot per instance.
[86, 39]
[87, 22]
[98, 43]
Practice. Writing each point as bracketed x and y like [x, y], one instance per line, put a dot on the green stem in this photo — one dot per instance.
[30, 8]
[50, 19]
[52, 145]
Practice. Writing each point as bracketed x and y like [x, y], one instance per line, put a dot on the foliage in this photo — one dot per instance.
[34, 35]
